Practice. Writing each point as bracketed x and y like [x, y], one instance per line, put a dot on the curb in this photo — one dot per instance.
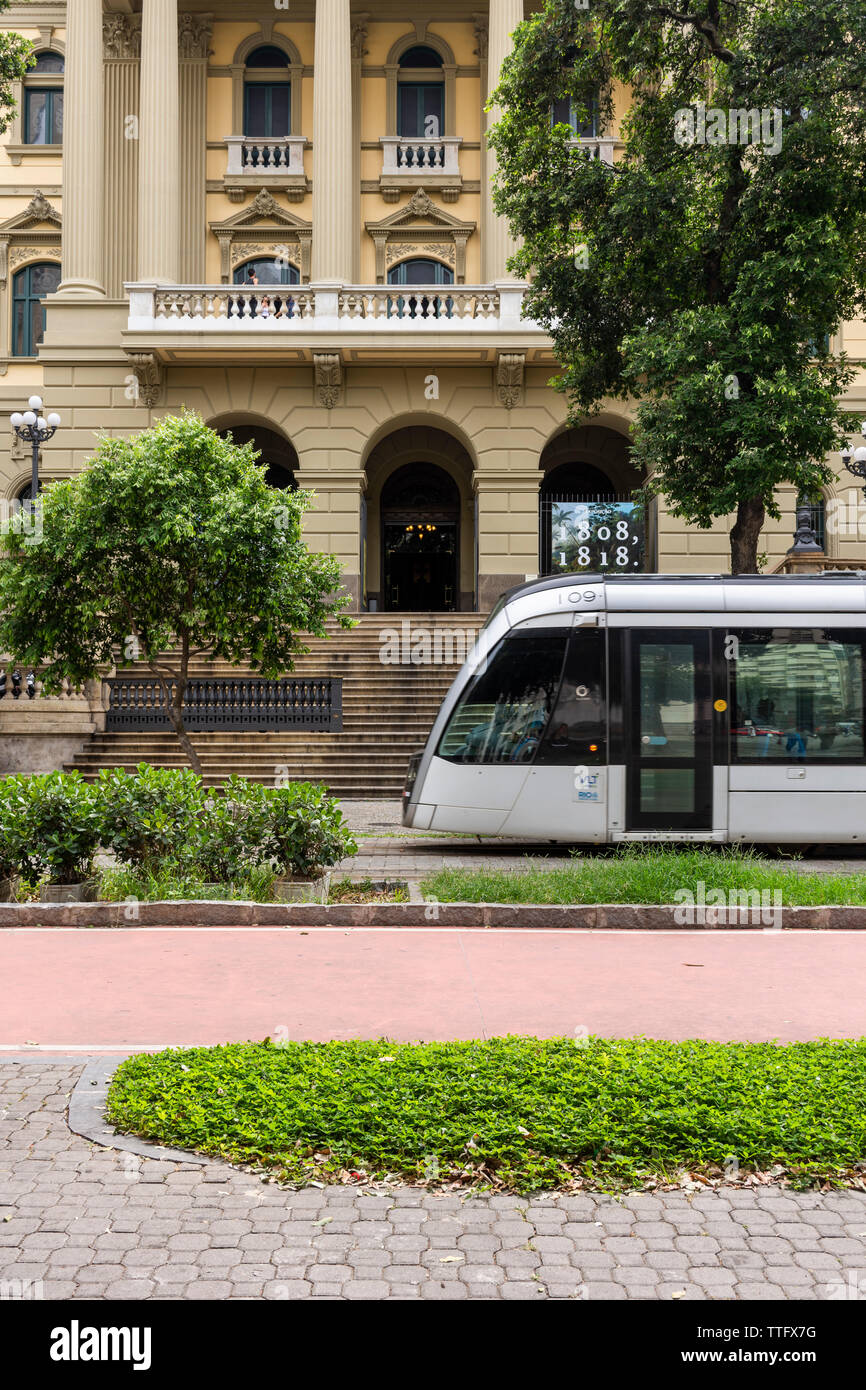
[430, 916]
[87, 1116]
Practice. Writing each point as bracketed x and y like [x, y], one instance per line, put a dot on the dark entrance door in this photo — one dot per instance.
[669, 730]
[420, 540]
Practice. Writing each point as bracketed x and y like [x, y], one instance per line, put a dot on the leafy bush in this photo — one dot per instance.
[307, 830]
[234, 832]
[15, 848]
[152, 815]
[61, 815]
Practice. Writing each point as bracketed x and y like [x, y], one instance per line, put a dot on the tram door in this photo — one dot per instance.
[668, 729]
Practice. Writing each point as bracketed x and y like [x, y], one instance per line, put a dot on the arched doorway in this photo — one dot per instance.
[589, 518]
[276, 454]
[420, 526]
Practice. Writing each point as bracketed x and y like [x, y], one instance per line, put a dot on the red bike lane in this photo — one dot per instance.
[105, 990]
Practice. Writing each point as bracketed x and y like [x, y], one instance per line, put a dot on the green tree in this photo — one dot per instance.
[702, 273]
[16, 56]
[169, 546]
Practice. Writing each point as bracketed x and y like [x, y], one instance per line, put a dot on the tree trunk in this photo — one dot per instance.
[745, 535]
[174, 706]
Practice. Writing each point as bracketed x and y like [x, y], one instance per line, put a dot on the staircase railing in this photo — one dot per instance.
[136, 703]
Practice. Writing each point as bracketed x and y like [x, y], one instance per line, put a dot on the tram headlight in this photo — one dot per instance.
[411, 774]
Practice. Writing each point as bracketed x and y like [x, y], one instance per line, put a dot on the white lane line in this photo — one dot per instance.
[89, 1047]
[746, 933]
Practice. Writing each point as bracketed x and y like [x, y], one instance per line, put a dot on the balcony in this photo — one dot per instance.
[257, 162]
[595, 147]
[411, 161]
[364, 322]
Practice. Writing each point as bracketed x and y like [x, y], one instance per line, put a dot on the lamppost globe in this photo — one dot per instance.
[860, 455]
[34, 428]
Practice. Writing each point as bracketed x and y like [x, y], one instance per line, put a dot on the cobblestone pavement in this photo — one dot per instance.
[388, 850]
[100, 1224]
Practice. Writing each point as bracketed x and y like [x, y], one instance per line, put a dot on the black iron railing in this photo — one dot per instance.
[136, 702]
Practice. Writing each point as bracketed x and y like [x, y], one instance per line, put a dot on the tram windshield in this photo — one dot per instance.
[505, 708]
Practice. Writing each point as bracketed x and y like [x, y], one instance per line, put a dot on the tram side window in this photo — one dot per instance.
[502, 714]
[577, 732]
[798, 696]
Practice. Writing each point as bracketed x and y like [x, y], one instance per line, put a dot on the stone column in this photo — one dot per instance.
[505, 15]
[83, 152]
[159, 146]
[195, 35]
[122, 45]
[333, 200]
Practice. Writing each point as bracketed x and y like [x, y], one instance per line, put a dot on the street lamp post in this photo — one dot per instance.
[34, 428]
[855, 459]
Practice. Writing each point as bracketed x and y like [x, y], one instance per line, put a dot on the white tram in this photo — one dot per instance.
[602, 708]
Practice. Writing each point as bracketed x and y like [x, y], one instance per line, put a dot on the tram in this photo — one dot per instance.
[603, 708]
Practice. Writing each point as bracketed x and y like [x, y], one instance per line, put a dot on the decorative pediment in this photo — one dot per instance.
[264, 228]
[420, 227]
[31, 235]
[420, 208]
[263, 207]
[37, 211]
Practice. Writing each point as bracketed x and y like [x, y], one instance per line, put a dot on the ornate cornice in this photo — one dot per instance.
[121, 36]
[480, 27]
[148, 372]
[194, 33]
[359, 34]
[328, 374]
[510, 368]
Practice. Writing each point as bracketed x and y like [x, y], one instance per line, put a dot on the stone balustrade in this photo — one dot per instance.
[308, 309]
[600, 147]
[250, 154]
[43, 732]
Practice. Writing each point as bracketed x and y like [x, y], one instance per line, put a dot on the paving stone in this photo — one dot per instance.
[89, 1229]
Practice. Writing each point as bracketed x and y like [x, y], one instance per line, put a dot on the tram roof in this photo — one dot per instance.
[715, 592]
[559, 581]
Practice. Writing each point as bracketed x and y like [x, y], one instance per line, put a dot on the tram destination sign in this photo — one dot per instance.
[598, 537]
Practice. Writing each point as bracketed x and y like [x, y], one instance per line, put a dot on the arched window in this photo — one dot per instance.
[267, 93]
[585, 524]
[565, 111]
[275, 453]
[421, 94]
[266, 270]
[29, 288]
[260, 303]
[420, 271]
[43, 101]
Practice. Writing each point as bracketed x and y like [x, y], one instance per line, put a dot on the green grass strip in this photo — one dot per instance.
[649, 875]
[519, 1112]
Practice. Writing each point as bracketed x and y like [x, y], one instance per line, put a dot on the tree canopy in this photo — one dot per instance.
[170, 545]
[16, 56]
[703, 272]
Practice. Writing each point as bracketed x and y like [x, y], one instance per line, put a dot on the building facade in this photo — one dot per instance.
[279, 215]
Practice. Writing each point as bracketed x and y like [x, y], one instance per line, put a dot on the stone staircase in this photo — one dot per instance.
[388, 711]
